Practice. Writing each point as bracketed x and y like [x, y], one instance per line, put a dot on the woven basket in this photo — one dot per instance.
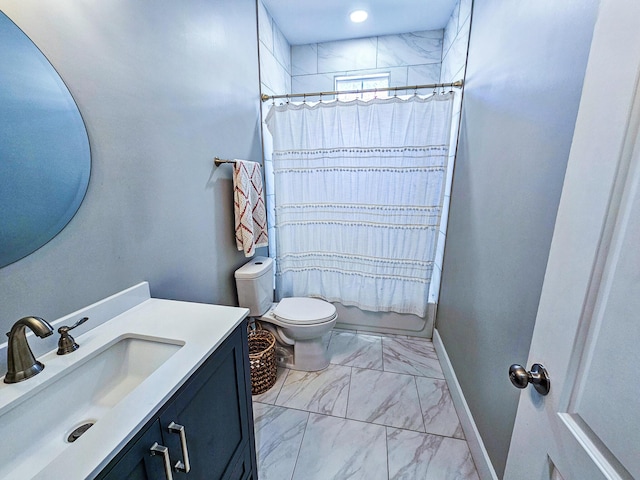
[262, 360]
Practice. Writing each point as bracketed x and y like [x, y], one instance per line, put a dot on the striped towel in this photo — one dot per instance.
[249, 207]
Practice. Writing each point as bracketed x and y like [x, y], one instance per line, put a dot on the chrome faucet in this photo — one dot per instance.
[21, 364]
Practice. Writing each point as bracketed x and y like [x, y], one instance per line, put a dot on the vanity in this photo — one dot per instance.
[158, 389]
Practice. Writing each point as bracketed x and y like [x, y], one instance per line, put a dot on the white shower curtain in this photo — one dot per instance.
[358, 197]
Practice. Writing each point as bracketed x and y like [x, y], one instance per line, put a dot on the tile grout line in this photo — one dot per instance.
[364, 422]
[404, 429]
[300, 446]
[386, 444]
[424, 424]
[282, 385]
[346, 410]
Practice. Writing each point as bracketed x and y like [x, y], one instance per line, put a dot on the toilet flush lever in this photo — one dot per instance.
[538, 376]
[66, 343]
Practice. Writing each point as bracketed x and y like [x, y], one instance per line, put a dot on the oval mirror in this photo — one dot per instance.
[45, 159]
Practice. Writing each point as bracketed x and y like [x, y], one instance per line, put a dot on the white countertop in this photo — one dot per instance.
[201, 328]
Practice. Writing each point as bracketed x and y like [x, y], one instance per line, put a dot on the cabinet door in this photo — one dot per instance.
[213, 407]
[137, 463]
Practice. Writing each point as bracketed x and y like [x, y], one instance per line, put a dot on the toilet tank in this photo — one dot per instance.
[254, 281]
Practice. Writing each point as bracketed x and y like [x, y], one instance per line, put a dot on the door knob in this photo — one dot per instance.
[538, 376]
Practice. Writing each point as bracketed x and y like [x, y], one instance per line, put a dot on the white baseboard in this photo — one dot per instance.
[476, 445]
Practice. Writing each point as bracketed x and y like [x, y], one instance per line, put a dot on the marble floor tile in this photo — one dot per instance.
[270, 395]
[355, 350]
[410, 356]
[385, 399]
[325, 391]
[439, 414]
[340, 449]
[279, 432]
[423, 456]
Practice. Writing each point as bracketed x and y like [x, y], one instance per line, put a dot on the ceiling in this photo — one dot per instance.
[315, 21]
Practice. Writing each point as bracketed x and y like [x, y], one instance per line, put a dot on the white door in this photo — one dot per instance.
[587, 332]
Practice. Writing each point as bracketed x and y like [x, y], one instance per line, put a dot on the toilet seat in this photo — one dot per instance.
[304, 311]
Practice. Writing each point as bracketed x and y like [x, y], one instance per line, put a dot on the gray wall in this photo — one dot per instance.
[163, 87]
[524, 77]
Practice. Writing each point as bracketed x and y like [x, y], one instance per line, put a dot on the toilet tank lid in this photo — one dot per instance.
[255, 268]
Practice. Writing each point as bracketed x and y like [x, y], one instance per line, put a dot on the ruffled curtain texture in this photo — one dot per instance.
[358, 199]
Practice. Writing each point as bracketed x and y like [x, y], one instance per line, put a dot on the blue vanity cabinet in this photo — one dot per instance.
[214, 407]
[138, 464]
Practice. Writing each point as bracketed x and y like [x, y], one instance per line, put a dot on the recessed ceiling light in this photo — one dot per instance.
[358, 16]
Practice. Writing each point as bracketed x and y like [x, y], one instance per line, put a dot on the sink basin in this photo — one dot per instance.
[79, 394]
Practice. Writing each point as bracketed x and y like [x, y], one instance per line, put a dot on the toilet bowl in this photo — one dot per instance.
[298, 323]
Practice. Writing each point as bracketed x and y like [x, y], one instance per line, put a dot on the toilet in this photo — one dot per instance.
[298, 323]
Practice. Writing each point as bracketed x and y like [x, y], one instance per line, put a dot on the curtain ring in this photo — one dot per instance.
[320, 97]
[415, 91]
[304, 98]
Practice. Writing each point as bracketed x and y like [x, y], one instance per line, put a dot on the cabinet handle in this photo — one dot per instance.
[164, 451]
[179, 429]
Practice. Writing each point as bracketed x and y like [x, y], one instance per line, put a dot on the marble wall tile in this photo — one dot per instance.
[450, 70]
[457, 108]
[434, 285]
[445, 73]
[457, 55]
[281, 48]
[410, 356]
[416, 48]
[268, 150]
[450, 169]
[339, 449]
[456, 14]
[279, 432]
[273, 241]
[265, 26]
[465, 11]
[385, 399]
[304, 59]
[444, 219]
[450, 33]
[422, 456]
[272, 74]
[438, 412]
[347, 55]
[439, 256]
[324, 392]
[364, 351]
[313, 83]
[423, 74]
[397, 75]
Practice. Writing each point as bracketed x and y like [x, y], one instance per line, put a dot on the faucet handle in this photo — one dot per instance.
[66, 343]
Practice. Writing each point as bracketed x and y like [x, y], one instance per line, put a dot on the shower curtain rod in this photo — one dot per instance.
[457, 84]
